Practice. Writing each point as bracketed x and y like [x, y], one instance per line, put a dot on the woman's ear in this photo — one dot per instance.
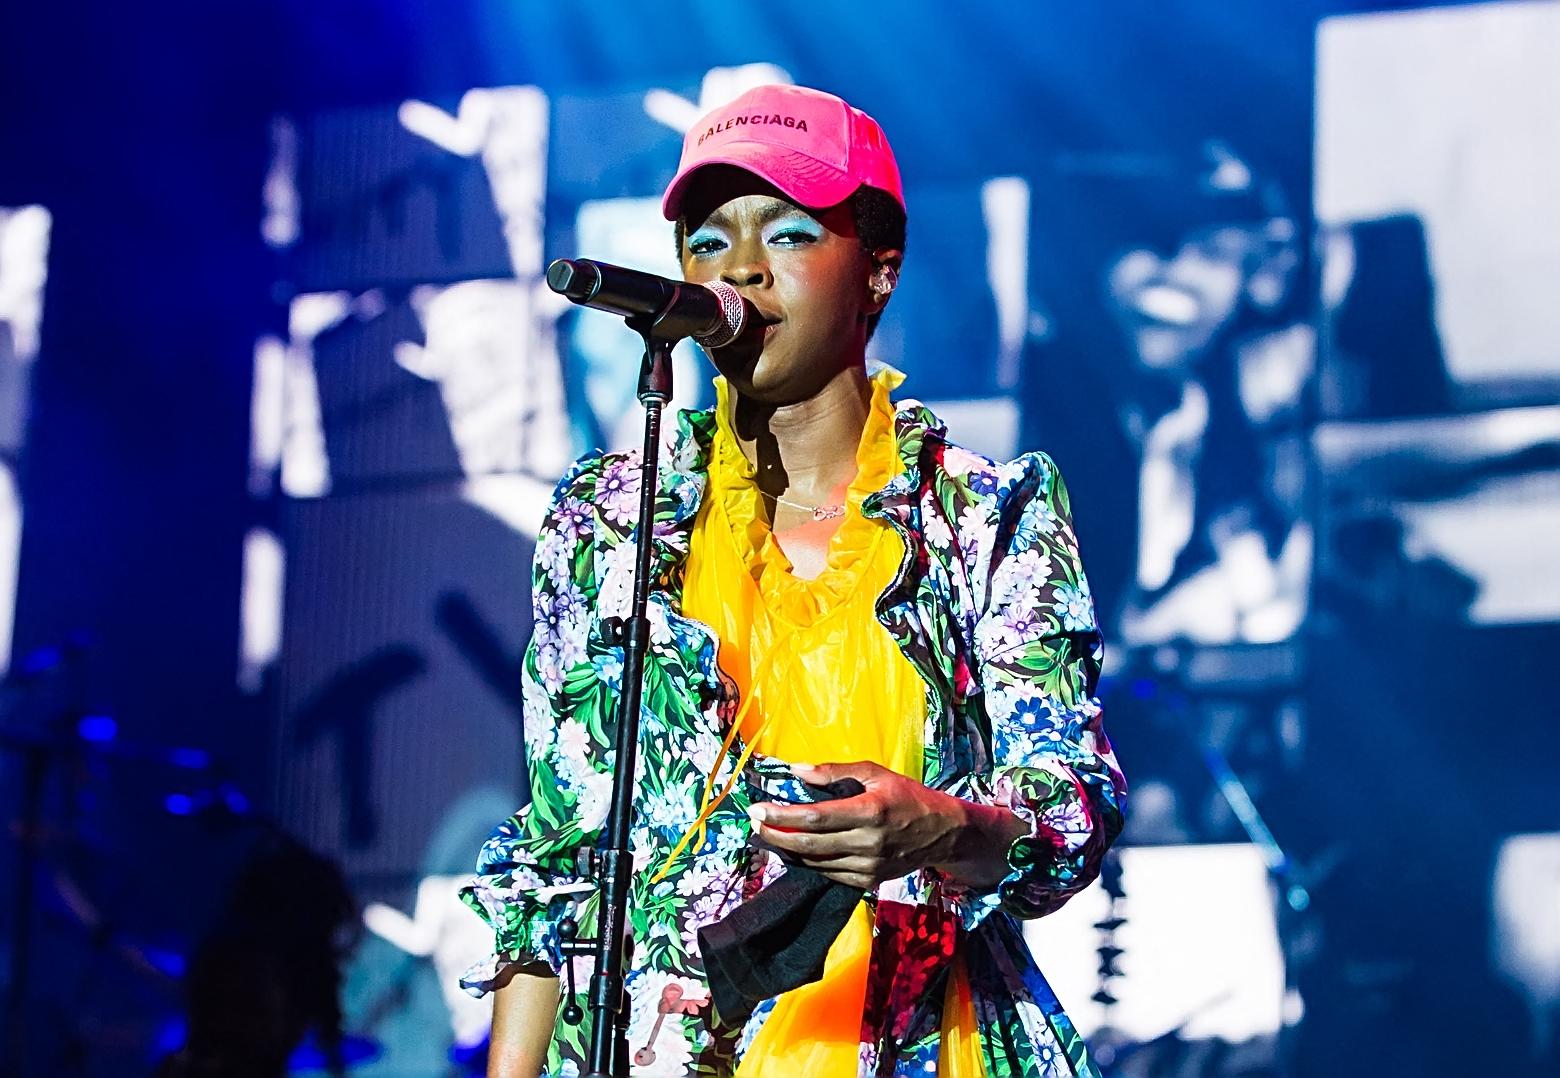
[884, 277]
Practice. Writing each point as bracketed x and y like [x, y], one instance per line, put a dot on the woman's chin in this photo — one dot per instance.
[771, 374]
[774, 385]
[756, 373]
[738, 361]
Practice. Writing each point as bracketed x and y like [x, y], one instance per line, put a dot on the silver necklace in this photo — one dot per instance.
[819, 512]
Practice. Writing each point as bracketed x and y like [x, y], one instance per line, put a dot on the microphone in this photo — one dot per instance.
[713, 315]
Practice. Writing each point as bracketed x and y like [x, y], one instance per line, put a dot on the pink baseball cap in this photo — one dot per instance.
[809, 144]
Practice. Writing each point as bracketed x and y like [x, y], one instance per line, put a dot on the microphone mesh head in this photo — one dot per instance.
[733, 311]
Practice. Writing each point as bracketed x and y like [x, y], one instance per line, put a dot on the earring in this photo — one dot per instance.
[884, 280]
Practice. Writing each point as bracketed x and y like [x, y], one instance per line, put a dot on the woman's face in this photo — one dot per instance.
[1172, 307]
[804, 271]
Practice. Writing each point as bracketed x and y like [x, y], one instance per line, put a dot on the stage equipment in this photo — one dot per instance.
[1192, 951]
[58, 747]
[662, 312]
[713, 315]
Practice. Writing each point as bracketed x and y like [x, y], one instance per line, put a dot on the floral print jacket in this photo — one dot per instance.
[991, 607]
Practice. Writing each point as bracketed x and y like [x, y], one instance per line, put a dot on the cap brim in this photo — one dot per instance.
[805, 179]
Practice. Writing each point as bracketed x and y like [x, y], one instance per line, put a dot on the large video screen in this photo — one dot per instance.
[1441, 357]
[24, 251]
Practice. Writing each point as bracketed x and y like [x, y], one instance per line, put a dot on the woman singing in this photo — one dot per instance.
[839, 594]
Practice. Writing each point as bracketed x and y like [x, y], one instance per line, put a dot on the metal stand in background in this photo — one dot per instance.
[1184, 682]
[38, 752]
[1294, 913]
[50, 744]
[1290, 880]
[612, 864]
[37, 756]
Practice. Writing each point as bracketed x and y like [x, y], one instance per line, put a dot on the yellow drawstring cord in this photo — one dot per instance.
[707, 807]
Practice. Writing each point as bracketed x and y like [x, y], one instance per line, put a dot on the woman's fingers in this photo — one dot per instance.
[854, 871]
[860, 840]
[861, 880]
[847, 814]
[822, 774]
[825, 844]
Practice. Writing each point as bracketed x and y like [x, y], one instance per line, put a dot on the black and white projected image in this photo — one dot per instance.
[1441, 362]
[1216, 330]
[1438, 553]
[24, 250]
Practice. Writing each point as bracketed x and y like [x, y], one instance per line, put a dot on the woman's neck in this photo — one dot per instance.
[806, 452]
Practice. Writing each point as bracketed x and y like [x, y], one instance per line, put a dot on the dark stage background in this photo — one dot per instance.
[282, 398]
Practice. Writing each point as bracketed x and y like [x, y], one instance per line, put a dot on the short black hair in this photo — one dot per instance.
[880, 219]
[880, 222]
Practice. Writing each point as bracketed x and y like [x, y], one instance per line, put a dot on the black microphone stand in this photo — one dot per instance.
[611, 863]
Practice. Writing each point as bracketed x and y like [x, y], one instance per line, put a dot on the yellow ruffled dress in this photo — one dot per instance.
[824, 683]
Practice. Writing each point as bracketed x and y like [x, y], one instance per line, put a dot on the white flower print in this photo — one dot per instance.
[1018, 625]
[524, 878]
[573, 739]
[937, 531]
[660, 630]
[977, 531]
[958, 461]
[1043, 518]
[1049, 1059]
[729, 840]
[1012, 472]
[993, 637]
[617, 581]
[670, 811]
[684, 457]
[1019, 578]
[1075, 606]
[537, 708]
[571, 649]
[549, 667]
[1070, 819]
[698, 879]
[609, 669]
[702, 750]
[555, 555]
[570, 615]
[595, 800]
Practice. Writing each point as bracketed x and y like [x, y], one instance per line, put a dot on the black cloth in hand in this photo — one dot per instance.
[778, 939]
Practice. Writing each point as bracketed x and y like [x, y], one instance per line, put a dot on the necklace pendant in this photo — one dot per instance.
[828, 512]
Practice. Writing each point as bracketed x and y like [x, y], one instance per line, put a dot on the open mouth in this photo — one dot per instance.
[765, 318]
[765, 325]
[1164, 305]
[760, 329]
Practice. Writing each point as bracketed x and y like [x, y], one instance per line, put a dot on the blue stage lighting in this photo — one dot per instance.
[97, 728]
[194, 759]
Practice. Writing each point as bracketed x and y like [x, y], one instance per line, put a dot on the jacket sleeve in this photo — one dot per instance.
[1038, 651]
[526, 880]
